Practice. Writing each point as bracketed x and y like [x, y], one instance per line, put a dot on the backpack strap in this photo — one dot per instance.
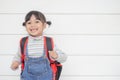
[56, 66]
[49, 42]
[23, 43]
[49, 47]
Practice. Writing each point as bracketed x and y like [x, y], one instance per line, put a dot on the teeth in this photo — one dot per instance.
[33, 30]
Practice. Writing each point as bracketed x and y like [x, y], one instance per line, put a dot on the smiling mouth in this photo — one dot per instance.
[33, 30]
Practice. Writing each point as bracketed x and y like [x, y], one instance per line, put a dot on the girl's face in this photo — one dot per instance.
[35, 27]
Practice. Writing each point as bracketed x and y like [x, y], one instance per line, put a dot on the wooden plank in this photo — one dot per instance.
[9, 77]
[66, 78]
[76, 66]
[70, 44]
[88, 78]
[61, 6]
[92, 65]
[65, 24]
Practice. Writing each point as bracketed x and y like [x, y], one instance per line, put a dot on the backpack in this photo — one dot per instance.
[48, 44]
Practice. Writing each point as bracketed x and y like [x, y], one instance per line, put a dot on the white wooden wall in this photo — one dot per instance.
[88, 31]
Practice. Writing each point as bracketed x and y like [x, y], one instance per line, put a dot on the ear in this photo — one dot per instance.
[44, 25]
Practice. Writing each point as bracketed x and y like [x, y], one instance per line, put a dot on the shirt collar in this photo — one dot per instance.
[36, 38]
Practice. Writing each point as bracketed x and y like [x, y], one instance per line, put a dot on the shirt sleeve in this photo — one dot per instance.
[17, 56]
[61, 55]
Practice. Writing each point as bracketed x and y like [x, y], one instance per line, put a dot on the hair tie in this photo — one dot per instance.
[49, 23]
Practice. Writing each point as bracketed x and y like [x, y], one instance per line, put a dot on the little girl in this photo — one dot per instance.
[35, 23]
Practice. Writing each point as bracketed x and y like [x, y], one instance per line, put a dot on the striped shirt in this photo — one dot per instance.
[35, 46]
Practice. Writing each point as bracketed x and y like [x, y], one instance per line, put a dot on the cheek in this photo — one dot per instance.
[41, 27]
[27, 29]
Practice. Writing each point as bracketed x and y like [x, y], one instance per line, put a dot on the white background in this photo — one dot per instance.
[88, 31]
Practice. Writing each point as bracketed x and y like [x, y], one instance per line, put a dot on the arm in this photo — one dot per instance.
[16, 60]
[58, 55]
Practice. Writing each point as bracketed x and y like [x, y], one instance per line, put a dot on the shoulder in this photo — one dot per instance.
[48, 37]
[23, 38]
[49, 40]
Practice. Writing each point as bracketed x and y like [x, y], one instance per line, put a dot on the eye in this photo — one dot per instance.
[37, 21]
[28, 22]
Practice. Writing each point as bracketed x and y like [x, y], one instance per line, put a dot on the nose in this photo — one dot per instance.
[32, 24]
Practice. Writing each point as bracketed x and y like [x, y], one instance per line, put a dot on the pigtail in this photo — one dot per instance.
[23, 23]
[49, 23]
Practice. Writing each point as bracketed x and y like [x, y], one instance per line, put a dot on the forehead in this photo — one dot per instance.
[33, 17]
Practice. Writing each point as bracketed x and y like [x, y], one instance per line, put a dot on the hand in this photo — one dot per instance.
[53, 54]
[15, 65]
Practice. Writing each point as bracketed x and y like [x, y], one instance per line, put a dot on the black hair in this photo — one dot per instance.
[40, 16]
